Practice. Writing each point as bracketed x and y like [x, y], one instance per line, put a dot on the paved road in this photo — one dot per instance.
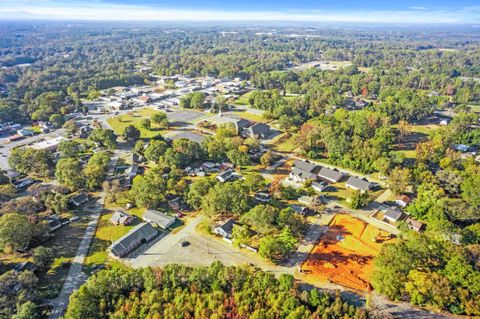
[76, 277]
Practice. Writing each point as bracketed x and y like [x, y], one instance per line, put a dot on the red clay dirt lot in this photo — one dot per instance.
[345, 253]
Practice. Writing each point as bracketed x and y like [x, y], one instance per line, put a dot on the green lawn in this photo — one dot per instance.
[119, 123]
[409, 153]
[106, 234]
[284, 143]
[243, 100]
[251, 117]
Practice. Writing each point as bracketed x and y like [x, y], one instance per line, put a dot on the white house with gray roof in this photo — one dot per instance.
[330, 175]
[356, 183]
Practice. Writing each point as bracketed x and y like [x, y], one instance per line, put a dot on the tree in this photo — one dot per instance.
[197, 191]
[266, 159]
[69, 148]
[16, 232]
[17, 289]
[155, 150]
[471, 187]
[56, 120]
[104, 137]
[399, 180]
[69, 173]
[261, 218]
[27, 310]
[197, 101]
[240, 235]
[131, 134]
[238, 158]
[404, 128]
[146, 124]
[160, 119]
[139, 147]
[359, 199]
[96, 170]
[43, 258]
[225, 198]
[56, 202]
[31, 161]
[253, 182]
[149, 190]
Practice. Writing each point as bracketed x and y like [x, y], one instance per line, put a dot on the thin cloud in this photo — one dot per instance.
[98, 10]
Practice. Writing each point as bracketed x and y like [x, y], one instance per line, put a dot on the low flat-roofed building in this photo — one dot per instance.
[49, 145]
[393, 214]
[158, 218]
[137, 236]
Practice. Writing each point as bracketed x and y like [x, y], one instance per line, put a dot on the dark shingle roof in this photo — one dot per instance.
[227, 227]
[134, 238]
[259, 129]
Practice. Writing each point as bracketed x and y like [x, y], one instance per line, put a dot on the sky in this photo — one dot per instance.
[366, 11]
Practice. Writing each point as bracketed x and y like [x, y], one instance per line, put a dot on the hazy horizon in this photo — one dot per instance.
[373, 11]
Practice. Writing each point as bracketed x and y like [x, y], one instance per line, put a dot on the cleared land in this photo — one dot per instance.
[345, 253]
[119, 123]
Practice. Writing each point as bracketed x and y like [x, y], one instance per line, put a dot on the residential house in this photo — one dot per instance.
[415, 224]
[121, 218]
[25, 132]
[138, 235]
[356, 183]
[258, 130]
[262, 197]
[300, 176]
[239, 123]
[319, 186]
[158, 218]
[301, 210]
[225, 176]
[225, 229]
[330, 175]
[394, 214]
[143, 99]
[310, 200]
[402, 200]
[79, 199]
[130, 173]
[303, 171]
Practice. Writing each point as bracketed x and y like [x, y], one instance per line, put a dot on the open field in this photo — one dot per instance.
[345, 253]
[243, 99]
[284, 143]
[119, 123]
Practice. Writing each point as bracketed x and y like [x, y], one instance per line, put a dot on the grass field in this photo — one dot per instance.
[243, 99]
[251, 116]
[345, 253]
[64, 244]
[284, 143]
[119, 123]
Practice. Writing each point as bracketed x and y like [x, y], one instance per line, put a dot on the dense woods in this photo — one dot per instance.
[216, 291]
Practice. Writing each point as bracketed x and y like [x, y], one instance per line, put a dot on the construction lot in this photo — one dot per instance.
[345, 253]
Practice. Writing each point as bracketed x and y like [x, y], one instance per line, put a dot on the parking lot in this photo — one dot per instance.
[200, 250]
[185, 116]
